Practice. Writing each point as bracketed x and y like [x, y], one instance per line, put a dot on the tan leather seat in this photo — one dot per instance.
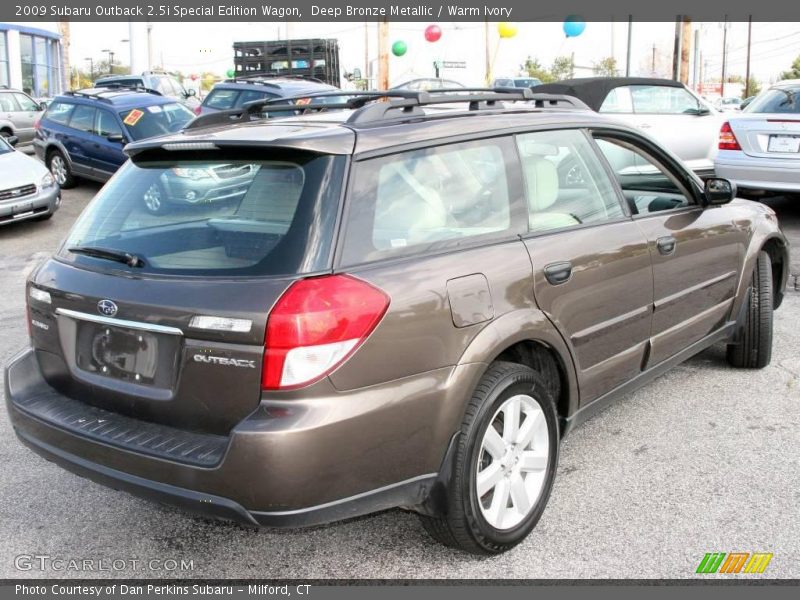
[541, 176]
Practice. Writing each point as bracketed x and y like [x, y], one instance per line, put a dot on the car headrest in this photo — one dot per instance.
[541, 176]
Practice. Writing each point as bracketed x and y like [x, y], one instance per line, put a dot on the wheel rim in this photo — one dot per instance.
[59, 169]
[512, 462]
[152, 198]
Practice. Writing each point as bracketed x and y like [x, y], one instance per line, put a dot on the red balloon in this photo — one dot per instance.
[433, 33]
[193, 77]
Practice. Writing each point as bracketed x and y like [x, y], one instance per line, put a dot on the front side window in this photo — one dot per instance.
[252, 96]
[106, 124]
[423, 199]
[221, 99]
[661, 99]
[239, 215]
[565, 182]
[647, 185]
[157, 119]
[26, 104]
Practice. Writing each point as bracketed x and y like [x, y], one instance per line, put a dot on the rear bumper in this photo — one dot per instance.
[288, 464]
[754, 173]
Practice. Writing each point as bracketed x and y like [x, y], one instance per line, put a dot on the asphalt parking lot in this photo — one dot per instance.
[705, 459]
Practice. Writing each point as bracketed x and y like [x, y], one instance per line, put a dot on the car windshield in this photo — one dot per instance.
[241, 216]
[776, 100]
[157, 119]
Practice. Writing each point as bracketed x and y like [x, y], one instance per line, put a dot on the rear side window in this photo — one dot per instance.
[59, 112]
[661, 99]
[423, 199]
[233, 216]
[82, 118]
[221, 99]
[7, 103]
[26, 103]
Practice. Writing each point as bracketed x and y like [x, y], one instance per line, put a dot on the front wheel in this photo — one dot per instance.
[60, 169]
[504, 464]
[753, 349]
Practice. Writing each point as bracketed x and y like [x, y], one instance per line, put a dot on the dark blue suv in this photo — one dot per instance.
[82, 134]
[235, 93]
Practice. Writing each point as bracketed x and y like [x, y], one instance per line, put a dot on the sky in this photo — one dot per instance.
[198, 47]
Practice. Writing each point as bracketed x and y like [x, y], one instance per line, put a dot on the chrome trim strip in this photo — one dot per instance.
[74, 314]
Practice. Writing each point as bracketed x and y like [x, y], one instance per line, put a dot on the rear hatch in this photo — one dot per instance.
[156, 305]
[770, 127]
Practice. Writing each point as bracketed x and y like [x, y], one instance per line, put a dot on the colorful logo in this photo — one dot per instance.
[734, 562]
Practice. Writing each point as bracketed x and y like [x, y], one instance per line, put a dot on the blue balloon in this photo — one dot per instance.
[574, 26]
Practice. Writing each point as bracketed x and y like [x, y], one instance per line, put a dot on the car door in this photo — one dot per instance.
[78, 139]
[25, 117]
[696, 251]
[106, 151]
[673, 116]
[592, 273]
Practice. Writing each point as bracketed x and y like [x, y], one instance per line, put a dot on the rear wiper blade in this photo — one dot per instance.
[109, 254]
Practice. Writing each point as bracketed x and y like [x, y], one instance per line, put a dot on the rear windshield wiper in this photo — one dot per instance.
[109, 254]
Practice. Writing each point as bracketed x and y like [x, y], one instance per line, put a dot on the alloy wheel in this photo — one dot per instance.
[152, 198]
[59, 169]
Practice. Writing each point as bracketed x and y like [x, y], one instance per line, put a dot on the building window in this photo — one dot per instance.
[4, 75]
[40, 65]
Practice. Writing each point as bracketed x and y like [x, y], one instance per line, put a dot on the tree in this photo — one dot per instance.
[563, 67]
[607, 67]
[533, 68]
[794, 72]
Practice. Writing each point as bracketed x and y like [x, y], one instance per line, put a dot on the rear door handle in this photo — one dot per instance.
[666, 245]
[558, 273]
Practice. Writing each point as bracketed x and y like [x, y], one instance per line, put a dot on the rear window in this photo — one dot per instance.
[59, 112]
[221, 99]
[157, 119]
[436, 197]
[776, 100]
[237, 216]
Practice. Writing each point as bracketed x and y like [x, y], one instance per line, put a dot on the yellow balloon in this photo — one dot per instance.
[507, 30]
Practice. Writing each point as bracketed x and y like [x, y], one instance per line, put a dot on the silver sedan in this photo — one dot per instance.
[759, 149]
[27, 189]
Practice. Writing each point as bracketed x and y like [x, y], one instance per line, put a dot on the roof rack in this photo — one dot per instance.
[109, 88]
[113, 85]
[397, 104]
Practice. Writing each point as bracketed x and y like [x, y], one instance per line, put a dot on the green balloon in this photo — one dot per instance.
[399, 48]
[230, 73]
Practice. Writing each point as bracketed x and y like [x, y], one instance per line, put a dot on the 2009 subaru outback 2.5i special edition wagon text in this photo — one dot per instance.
[410, 305]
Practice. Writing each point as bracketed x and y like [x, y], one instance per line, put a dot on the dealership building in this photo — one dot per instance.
[31, 58]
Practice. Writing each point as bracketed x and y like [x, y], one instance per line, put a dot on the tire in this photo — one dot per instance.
[471, 523]
[59, 168]
[153, 200]
[45, 217]
[754, 347]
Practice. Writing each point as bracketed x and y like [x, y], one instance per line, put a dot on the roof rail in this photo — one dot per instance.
[113, 85]
[264, 77]
[400, 104]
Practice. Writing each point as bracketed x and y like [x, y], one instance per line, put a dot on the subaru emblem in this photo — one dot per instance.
[107, 308]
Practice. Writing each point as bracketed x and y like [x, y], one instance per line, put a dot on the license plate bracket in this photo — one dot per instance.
[118, 353]
[785, 144]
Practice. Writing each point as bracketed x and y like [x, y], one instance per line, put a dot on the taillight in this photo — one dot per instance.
[197, 110]
[727, 139]
[315, 326]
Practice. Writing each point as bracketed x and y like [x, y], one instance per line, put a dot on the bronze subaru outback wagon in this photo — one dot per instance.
[414, 299]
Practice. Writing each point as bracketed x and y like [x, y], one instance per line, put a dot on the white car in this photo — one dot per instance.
[665, 109]
[731, 104]
[27, 189]
[759, 149]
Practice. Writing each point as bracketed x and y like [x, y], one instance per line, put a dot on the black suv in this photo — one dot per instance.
[235, 93]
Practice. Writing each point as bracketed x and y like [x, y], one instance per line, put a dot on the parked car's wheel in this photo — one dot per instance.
[754, 347]
[154, 200]
[504, 463]
[59, 167]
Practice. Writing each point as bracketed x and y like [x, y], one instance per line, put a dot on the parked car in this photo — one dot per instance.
[406, 308]
[759, 148]
[27, 189]
[729, 104]
[160, 81]
[667, 110]
[520, 82]
[746, 102]
[18, 114]
[428, 83]
[235, 93]
[82, 133]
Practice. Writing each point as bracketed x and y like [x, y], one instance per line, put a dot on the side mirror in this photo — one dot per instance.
[115, 137]
[190, 92]
[42, 106]
[12, 140]
[719, 191]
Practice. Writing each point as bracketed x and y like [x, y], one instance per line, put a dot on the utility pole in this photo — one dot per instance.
[628, 55]
[696, 60]
[724, 55]
[383, 56]
[149, 46]
[487, 54]
[686, 49]
[676, 50]
[91, 67]
[653, 61]
[365, 75]
[749, 44]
